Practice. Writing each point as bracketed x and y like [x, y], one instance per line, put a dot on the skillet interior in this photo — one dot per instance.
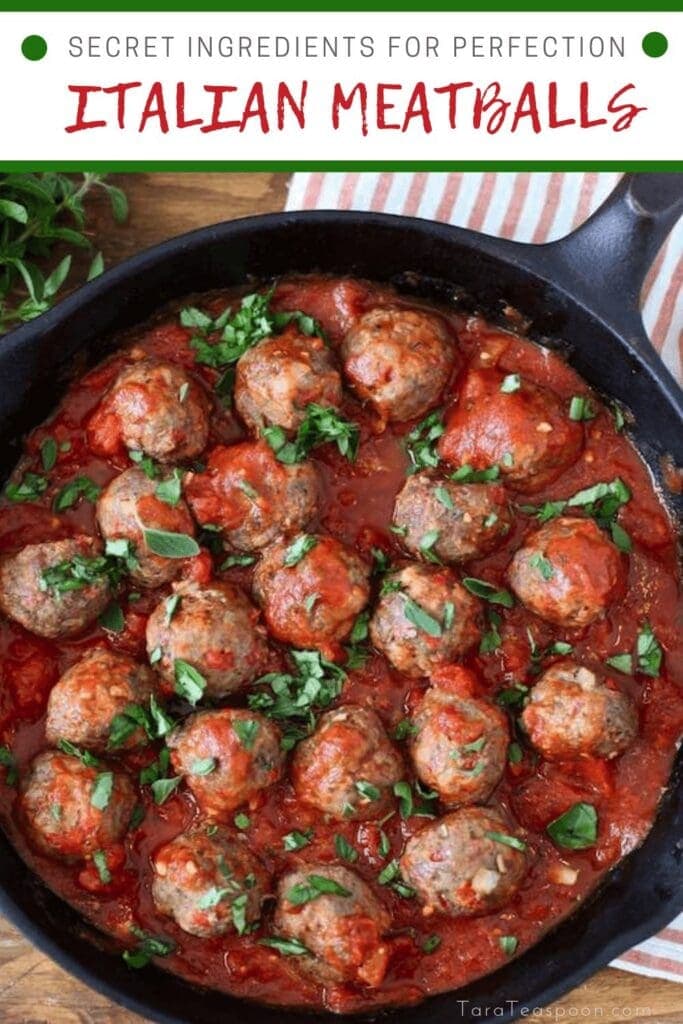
[37, 361]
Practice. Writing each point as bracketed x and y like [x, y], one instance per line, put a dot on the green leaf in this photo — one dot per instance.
[508, 944]
[297, 840]
[345, 850]
[163, 788]
[404, 793]
[420, 618]
[15, 211]
[236, 560]
[246, 731]
[48, 453]
[119, 203]
[304, 543]
[506, 840]
[170, 490]
[102, 790]
[648, 651]
[99, 859]
[8, 762]
[96, 267]
[242, 821]
[286, 947]
[467, 475]
[621, 538]
[542, 565]
[203, 766]
[84, 756]
[421, 442]
[576, 829]
[189, 683]
[112, 618]
[57, 278]
[404, 729]
[427, 542]
[511, 383]
[515, 753]
[581, 408]
[170, 545]
[314, 887]
[443, 496]
[621, 662]
[79, 487]
[30, 488]
[170, 607]
[430, 944]
[488, 592]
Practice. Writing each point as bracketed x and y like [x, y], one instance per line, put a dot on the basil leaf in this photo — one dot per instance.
[431, 943]
[367, 790]
[84, 756]
[467, 475]
[508, 944]
[488, 592]
[314, 887]
[297, 840]
[416, 614]
[621, 662]
[576, 829]
[345, 850]
[246, 732]
[304, 543]
[404, 793]
[162, 789]
[48, 453]
[189, 683]
[510, 383]
[30, 488]
[581, 408]
[421, 441]
[170, 545]
[79, 487]
[112, 618]
[287, 947]
[203, 766]
[99, 859]
[170, 490]
[101, 791]
[648, 651]
[242, 821]
[506, 840]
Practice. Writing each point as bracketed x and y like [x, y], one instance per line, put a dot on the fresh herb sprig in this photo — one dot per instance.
[37, 213]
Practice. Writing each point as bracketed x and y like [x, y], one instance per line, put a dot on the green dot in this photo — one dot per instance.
[655, 44]
[34, 47]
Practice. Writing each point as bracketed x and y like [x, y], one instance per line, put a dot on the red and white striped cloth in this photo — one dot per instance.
[534, 207]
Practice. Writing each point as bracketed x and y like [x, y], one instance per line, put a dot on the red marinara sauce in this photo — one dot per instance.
[357, 508]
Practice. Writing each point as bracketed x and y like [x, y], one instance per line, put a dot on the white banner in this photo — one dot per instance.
[341, 86]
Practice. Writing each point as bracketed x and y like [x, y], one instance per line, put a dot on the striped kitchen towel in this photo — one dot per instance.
[531, 208]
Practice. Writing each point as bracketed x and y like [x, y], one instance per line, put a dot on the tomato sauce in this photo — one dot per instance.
[357, 508]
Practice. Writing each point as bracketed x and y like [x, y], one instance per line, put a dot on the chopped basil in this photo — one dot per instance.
[147, 465]
[170, 607]
[30, 488]
[510, 383]
[581, 408]
[189, 683]
[420, 618]
[155, 655]
[381, 562]
[543, 566]
[390, 875]
[238, 911]
[100, 794]
[149, 946]
[648, 651]
[421, 441]
[621, 538]
[242, 821]
[84, 756]
[79, 487]
[236, 560]
[468, 475]
[320, 425]
[297, 840]
[508, 459]
[405, 798]
[430, 944]
[384, 844]
[246, 489]
[170, 490]
[314, 887]
[515, 753]
[183, 390]
[48, 453]
[506, 840]
[99, 859]
[427, 542]
[309, 602]
[345, 850]
[170, 545]
[443, 496]
[508, 944]
[56, 812]
[246, 731]
[576, 829]
[112, 618]
[404, 729]
[621, 662]
[162, 789]
[304, 543]
[488, 592]
[287, 947]
[512, 696]
[203, 766]
[367, 790]
[7, 761]
[491, 639]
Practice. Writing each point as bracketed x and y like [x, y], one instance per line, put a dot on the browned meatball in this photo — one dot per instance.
[227, 757]
[571, 713]
[251, 497]
[88, 697]
[343, 929]
[215, 629]
[71, 810]
[399, 360]
[278, 378]
[441, 520]
[128, 507]
[348, 767]
[311, 589]
[424, 618]
[568, 572]
[154, 407]
[468, 862]
[209, 884]
[460, 745]
[46, 587]
[526, 432]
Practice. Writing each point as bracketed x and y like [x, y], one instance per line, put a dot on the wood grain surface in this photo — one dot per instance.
[32, 989]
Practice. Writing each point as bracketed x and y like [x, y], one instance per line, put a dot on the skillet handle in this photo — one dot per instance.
[608, 257]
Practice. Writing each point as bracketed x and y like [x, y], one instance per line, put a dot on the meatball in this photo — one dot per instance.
[278, 378]
[568, 572]
[215, 629]
[311, 589]
[571, 713]
[526, 432]
[468, 862]
[342, 929]
[129, 506]
[459, 747]
[71, 810]
[209, 884]
[227, 757]
[88, 697]
[35, 586]
[251, 497]
[399, 360]
[348, 767]
[154, 407]
[424, 618]
[451, 522]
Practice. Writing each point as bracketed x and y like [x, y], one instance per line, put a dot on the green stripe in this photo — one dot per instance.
[350, 5]
[288, 166]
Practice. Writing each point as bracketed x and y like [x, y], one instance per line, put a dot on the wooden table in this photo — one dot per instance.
[32, 989]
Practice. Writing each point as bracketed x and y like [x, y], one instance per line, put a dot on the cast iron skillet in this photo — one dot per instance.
[583, 290]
